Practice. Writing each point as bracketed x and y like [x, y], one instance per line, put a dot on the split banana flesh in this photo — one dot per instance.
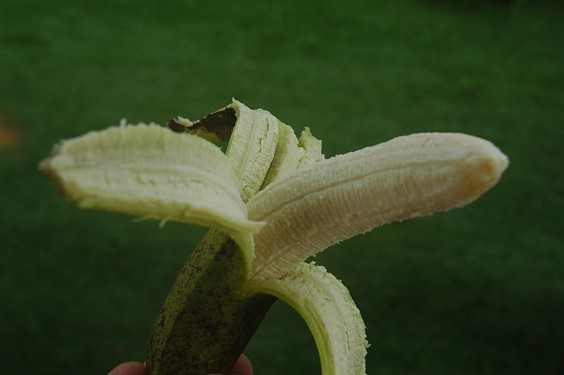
[272, 201]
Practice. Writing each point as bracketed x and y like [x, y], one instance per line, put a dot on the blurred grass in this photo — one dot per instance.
[475, 291]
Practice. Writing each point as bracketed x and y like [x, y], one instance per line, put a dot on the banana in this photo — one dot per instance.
[272, 200]
[335, 199]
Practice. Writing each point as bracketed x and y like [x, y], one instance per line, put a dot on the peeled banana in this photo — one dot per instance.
[272, 200]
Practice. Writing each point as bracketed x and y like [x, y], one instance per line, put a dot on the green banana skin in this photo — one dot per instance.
[207, 319]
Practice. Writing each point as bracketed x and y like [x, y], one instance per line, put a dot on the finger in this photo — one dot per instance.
[243, 366]
[129, 368]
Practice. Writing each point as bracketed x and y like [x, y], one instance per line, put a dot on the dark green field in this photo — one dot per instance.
[478, 290]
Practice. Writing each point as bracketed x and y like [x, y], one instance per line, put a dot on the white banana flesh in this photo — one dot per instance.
[333, 200]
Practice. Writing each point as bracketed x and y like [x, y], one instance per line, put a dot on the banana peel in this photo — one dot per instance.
[272, 200]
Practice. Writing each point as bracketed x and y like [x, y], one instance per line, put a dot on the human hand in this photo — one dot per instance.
[242, 367]
[129, 368]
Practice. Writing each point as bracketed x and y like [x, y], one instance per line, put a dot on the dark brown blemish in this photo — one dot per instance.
[220, 123]
[175, 126]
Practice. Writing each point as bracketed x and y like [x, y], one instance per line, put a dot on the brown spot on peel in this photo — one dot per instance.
[216, 127]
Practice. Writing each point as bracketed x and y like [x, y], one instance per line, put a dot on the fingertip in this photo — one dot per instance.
[129, 368]
[243, 366]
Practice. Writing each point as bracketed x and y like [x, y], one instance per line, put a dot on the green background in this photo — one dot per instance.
[475, 291]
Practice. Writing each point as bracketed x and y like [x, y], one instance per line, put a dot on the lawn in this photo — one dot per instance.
[478, 290]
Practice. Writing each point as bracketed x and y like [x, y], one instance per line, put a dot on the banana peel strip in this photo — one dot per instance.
[292, 153]
[327, 308]
[252, 147]
[149, 171]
